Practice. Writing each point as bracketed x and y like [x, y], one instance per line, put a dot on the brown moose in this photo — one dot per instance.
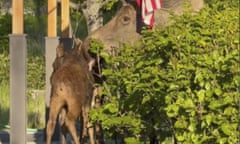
[71, 93]
[124, 26]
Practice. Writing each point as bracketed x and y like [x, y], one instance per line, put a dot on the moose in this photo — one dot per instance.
[124, 26]
[71, 93]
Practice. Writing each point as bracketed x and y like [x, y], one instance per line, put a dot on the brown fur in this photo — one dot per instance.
[71, 92]
[121, 29]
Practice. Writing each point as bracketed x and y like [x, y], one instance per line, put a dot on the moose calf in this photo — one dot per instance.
[71, 93]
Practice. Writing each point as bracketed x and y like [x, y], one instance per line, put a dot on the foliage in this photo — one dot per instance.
[4, 68]
[5, 22]
[5, 26]
[78, 24]
[36, 109]
[110, 4]
[36, 72]
[4, 106]
[180, 83]
[36, 7]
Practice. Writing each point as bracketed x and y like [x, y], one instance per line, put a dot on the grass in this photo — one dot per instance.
[4, 105]
[35, 108]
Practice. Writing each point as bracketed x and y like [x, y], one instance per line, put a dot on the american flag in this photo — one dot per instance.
[147, 9]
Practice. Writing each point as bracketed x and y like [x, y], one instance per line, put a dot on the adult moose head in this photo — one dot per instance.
[123, 27]
[71, 93]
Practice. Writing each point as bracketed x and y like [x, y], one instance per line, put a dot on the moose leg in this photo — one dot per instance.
[63, 134]
[85, 111]
[98, 128]
[86, 125]
[70, 124]
[72, 114]
[62, 117]
[81, 127]
[55, 106]
[99, 134]
[91, 133]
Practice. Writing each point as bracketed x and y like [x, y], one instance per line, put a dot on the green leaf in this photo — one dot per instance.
[180, 137]
[218, 91]
[188, 103]
[131, 140]
[105, 55]
[173, 87]
[192, 127]
[111, 107]
[230, 111]
[215, 104]
[139, 64]
[224, 67]
[145, 75]
[145, 99]
[207, 86]
[227, 129]
[180, 124]
[107, 72]
[172, 110]
[201, 95]
[208, 119]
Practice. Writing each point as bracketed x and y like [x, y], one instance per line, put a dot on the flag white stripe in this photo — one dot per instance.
[149, 6]
[147, 18]
[158, 4]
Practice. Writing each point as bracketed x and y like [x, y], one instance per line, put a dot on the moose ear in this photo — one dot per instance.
[77, 45]
[60, 50]
[77, 42]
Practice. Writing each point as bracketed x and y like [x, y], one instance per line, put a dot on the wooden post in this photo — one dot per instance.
[18, 114]
[52, 18]
[65, 19]
[17, 19]
[65, 25]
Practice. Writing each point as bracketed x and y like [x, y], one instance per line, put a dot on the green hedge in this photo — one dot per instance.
[180, 84]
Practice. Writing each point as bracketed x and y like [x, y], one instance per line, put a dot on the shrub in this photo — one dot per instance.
[181, 84]
[5, 26]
